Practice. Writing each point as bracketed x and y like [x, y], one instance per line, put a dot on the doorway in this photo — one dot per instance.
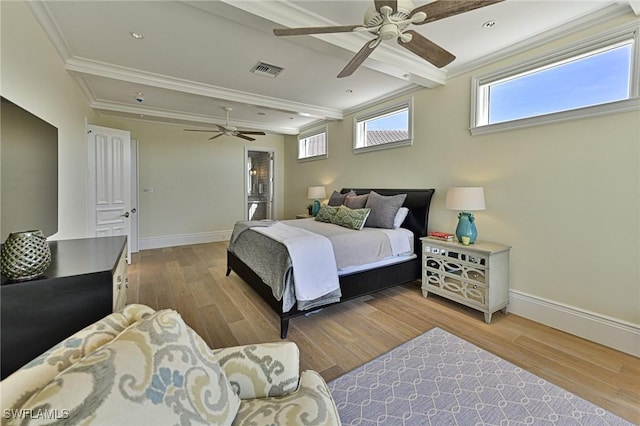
[259, 184]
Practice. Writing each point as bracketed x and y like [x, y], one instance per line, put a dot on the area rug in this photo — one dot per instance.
[440, 379]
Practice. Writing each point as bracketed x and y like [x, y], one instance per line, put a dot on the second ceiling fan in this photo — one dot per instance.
[389, 19]
[228, 130]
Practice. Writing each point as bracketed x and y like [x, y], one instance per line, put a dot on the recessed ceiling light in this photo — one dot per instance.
[136, 35]
[489, 24]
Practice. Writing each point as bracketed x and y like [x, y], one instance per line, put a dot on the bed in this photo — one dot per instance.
[352, 284]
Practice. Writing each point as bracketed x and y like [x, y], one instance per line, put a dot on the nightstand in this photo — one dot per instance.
[476, 275]
[303, 216]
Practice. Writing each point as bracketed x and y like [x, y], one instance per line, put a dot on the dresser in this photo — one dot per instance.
[475, 275]
[86, 281]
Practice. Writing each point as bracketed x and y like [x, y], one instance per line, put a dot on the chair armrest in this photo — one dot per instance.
[262, 370]
[312, 403]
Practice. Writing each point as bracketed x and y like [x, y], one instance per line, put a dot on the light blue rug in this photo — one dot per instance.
[440, 379]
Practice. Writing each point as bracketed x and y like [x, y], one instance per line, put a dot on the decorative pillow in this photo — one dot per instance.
[400, 217]
[352, 219]
[356, 201]
[326, 213]
[337, 199]
[383, 209]
[157, 371]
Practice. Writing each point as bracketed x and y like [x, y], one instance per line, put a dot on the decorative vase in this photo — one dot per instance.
[466, 227]
[25, 255]
[316, 208]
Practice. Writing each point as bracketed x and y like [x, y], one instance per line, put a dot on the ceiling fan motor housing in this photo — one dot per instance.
[373, 18]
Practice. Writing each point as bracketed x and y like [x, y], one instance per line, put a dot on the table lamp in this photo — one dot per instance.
[465, 199]
[316, 193]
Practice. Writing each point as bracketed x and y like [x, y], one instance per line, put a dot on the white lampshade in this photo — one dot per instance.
[316, 193]
[465, 198]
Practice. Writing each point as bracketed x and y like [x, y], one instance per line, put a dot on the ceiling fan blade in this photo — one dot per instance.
[243, 132]
[216, 136]
[441, 9]
[359, 58]
[198, 130]
[393, 4]
[240, 135]
[314, 30]
[427, 50]
[221, 128]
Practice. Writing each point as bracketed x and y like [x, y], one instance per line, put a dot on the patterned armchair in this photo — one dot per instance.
[143, 367]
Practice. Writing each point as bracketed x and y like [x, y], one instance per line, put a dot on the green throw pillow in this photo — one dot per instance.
[326, 213]
[350, 218]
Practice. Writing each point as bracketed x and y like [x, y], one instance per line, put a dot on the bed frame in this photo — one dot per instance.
[358, 283]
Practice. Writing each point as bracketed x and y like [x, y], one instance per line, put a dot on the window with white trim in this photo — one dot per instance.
[313, 145]
[592, 78]
[387, 128]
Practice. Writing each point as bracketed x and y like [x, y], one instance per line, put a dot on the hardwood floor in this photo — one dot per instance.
[226, 312]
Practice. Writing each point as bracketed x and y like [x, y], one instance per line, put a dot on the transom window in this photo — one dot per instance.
[313, 145]
[386, 128]
[597, 73]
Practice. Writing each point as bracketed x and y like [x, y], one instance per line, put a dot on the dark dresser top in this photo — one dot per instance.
[80, 257]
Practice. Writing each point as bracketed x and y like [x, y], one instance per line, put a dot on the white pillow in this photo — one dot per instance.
[400, 217]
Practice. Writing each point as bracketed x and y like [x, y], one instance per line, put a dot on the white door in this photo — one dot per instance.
[109, 182]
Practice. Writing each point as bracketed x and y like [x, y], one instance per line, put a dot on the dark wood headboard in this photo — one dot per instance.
[418, 202]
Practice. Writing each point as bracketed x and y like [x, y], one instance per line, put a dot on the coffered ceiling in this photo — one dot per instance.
[194, 58]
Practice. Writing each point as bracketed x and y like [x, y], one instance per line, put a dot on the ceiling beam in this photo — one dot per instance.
[386, 59]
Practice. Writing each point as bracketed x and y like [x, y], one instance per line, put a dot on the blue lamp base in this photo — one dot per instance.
[316, 207]
[466, 227]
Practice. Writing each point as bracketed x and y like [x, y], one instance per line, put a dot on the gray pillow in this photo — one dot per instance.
[356, 201]
[383, 209]
[337, 199]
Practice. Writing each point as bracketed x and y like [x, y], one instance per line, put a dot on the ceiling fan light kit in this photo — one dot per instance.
[389, 19]
[229, 130]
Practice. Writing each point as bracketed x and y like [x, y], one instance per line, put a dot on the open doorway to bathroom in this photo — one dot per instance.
[259, 184]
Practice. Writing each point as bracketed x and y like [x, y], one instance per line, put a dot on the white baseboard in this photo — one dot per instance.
[614, 333]
[183, 240]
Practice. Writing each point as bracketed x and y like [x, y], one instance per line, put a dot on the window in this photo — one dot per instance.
[313, 145]
[588, 79]
[387, 128]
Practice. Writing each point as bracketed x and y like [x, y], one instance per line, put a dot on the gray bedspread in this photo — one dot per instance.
[270, 260]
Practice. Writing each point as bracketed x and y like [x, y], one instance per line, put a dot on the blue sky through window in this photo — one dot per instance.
[396, 121]
[596, 79]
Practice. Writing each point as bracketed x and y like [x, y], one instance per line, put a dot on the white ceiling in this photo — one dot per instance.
[196, 56]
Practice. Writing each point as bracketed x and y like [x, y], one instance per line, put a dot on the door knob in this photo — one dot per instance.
[126, 214]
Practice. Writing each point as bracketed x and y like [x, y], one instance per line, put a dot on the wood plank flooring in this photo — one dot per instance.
[226, 312]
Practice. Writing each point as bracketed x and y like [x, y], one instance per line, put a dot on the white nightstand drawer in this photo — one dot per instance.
[475, 275]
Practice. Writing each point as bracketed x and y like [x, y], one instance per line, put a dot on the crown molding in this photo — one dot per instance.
[609, 12]
[89, 67]
[43, 15]
[139, 112]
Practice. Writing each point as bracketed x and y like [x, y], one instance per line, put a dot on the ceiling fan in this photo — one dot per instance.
[228, 130]
[389, 19]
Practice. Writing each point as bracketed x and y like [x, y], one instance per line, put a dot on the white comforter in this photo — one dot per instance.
[315, 272]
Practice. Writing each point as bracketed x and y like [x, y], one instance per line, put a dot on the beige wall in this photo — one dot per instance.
[32, 75]
[565, 196]
[198, 184]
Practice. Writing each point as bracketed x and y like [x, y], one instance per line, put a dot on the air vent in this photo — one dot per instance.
[266, 70]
